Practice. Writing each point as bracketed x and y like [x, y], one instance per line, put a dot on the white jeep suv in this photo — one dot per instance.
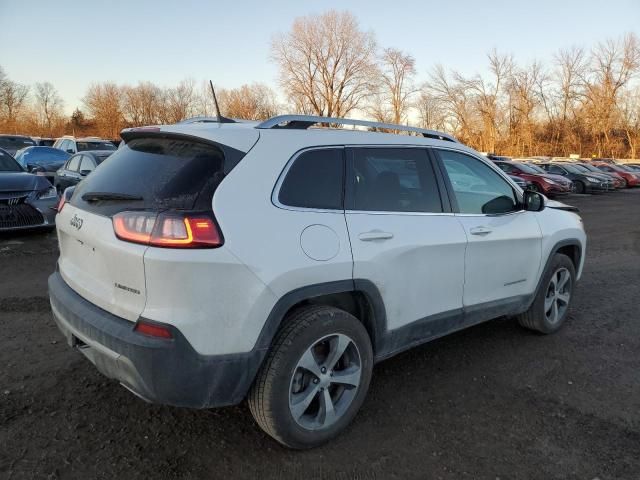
[207, 262]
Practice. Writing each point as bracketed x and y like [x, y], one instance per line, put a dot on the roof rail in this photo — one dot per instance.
[302, 122]
[206, 120]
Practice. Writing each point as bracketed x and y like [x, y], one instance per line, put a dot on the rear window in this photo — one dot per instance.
[43, 155]
[8, 164]
[16, 143]
[166, 173]
[83, 146]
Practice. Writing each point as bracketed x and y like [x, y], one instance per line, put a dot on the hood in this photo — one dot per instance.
[22, 182]
[559, 205]
[46, 166]
[556, 178]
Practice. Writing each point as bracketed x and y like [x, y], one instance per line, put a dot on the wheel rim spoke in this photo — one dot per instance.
[548, 303]
[563, 279]
[327, 411]
[338, 347]
[301, 401]
[564, 298]
[350, 376]
[554, 312]
[309, 363]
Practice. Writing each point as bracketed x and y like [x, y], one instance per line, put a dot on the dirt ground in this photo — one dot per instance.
[494, 401]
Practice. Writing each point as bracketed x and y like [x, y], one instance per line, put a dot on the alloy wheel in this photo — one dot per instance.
[558, 296]
[325, 382]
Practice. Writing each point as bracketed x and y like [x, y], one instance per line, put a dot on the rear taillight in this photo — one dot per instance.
[167, 230]
[61, 203]
[152, 330]
[64, 198]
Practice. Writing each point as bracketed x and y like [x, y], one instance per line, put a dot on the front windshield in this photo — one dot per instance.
[535, 168]
[526, 168]
[571, 168]
[8, 164]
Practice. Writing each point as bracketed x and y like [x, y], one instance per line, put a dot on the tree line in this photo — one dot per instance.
[582, 100]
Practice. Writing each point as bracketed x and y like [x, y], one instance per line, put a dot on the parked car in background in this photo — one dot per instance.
[12, 143]
[500, 158]
[582, 182]
[77, 167]
[630, 178]
[521, 182]
[74, 145]
[43, 161]
[545, 183]
[26, 200]
[635, 168]
[618, 181]
[44, 142]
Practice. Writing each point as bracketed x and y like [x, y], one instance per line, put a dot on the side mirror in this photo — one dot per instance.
[533, 201]
[84, 173]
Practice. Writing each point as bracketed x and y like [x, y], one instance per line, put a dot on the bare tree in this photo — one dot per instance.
[613, 65]
[180, 102]
[431, 110]
[327, 64]
[141, 104]
[524, 99]
[629, 119]
[49, 104]
[396, 88]
[103, 103]
[13, 97]
[249, 102]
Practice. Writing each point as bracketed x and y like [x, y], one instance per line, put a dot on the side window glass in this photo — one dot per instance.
[74, 162]
[477, 188]
[315, 180]
[556, 169]
[87, 164]
[393, 180]
[506, 168]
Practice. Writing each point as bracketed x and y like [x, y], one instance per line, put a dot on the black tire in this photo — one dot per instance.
[536, 317]
[269, 398]
[580, 188]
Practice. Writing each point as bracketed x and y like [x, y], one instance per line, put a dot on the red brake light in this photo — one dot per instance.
[61, 203]
[152, 330]
[167, 230]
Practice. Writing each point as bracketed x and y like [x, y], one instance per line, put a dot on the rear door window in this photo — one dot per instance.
[87, 164]
[392, 180]
[314, 180]
[156, 174]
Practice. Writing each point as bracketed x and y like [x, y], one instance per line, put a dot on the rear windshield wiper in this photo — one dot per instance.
[97, 196]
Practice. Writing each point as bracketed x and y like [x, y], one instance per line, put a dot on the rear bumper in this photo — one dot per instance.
[165, 371]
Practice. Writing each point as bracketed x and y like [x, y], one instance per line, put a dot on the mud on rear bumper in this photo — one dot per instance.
[165, 371]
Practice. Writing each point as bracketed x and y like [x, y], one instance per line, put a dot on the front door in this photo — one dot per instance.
[503, 256]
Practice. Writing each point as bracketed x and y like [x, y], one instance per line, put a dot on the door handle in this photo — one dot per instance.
[375, 235]
[480, 231]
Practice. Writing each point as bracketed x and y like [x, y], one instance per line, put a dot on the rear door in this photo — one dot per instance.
[403, 238]
[503, 254]
[149, 174]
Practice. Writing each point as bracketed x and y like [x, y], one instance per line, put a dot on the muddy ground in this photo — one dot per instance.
[494, 401]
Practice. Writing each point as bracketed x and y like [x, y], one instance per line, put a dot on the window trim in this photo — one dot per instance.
[275, 193]
[68, 164]
[517, 191]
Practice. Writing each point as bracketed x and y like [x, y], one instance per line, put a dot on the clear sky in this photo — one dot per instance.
[72, 43]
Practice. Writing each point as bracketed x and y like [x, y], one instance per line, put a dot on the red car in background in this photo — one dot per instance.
[631, 179]
[545, 183]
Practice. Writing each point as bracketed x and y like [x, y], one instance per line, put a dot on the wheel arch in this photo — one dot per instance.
[359, 297]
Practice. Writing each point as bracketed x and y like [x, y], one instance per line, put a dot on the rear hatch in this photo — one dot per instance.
[159, 173]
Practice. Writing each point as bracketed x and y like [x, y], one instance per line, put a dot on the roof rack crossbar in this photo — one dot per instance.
[302, 122]
[206, 120]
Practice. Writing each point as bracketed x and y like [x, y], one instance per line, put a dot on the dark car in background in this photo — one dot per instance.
[77, 167]
[43, 161]
[75, 145]
[44, 142]
[26, 200]
[618, 181]
[12, 143]
[582, 182]
[521, 182]
[545, 183]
